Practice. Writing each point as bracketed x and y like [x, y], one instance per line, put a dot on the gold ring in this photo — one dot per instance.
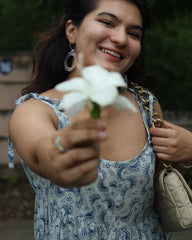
[58, 145]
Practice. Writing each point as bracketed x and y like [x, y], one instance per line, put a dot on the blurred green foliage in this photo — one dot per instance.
[21, 19]
[169, 47]
[169, 41]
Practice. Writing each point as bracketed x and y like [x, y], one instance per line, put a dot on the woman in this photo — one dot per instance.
[93, 178]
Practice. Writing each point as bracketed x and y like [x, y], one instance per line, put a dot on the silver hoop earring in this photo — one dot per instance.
[72, 54]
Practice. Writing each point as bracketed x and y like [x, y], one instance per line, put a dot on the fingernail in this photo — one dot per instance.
[100, 124]
[101, 135]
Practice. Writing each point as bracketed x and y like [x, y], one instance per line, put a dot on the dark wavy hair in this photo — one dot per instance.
[52, 47]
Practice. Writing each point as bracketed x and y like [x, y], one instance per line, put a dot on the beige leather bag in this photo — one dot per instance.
[173, 200]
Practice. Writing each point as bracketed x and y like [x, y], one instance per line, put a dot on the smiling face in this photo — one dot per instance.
[109, 36]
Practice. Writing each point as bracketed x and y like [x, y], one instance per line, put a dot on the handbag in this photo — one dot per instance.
[173, 200]
[173, 197]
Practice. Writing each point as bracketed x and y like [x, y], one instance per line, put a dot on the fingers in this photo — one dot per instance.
[160, 141]
[172, 143]
[165, 148]
[78, 164]
[82, 173]
[81, 133]
[164, 153]
[90, 123]
[163, 156]
[80, 137]
[160, 132]
[164, 132]
[76, 167]
[76, 157]
[163, 142]
[165, 138]
[160, 149]
[170, 125]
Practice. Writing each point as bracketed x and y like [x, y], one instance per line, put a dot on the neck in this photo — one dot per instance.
[73, 74]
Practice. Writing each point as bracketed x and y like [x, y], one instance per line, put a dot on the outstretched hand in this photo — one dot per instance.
[78, 165]
[172, 143]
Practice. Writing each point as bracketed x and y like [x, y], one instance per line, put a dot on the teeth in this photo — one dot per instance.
[112, 53]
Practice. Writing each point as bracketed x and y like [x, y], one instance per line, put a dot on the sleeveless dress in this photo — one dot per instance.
[117, 206]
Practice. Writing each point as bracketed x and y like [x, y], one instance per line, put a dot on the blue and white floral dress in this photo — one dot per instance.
[117, 206]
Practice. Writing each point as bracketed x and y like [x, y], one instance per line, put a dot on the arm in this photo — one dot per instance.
[172, 143]
[33, 130]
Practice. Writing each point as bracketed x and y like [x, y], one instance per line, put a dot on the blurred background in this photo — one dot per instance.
[169, 41]
[169, 62]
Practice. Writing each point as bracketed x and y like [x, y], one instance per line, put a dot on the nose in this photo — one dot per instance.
[119, 36]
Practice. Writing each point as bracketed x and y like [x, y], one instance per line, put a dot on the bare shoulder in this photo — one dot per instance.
[30, 123]
[32, 111]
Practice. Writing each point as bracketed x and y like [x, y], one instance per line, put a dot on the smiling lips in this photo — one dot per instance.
[112, 53]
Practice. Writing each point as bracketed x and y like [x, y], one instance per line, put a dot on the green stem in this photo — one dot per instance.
[95, 112]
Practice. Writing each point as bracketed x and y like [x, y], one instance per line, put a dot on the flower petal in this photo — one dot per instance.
[105, 96]
[96, 75]
[70, 99]
[75, 109]
[122, 103]
[96, 85]
[116, 79]
[75, 84]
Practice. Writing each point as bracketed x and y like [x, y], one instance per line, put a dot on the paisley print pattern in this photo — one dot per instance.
[117, 206]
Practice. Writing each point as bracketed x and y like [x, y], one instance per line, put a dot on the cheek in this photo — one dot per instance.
[136, 50]
[93, 35]
[96, 36]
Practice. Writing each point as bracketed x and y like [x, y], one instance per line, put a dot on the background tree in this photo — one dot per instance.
[21, 19]
[169, 48]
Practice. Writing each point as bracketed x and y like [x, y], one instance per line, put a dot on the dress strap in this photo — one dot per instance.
[152, 99]
[52, 102]
[10, 153]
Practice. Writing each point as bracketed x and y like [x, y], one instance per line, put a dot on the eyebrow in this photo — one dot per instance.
[109, 14]
[134, 26]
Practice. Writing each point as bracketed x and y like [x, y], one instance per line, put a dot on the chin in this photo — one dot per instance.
[113, 69]
[110, 68]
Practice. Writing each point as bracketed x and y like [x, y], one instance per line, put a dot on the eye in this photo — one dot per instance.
[135, 35]
[107, 23]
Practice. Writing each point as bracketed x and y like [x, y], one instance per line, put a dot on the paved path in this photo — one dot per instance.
[185, 235]
[16, 230]
[23, 230]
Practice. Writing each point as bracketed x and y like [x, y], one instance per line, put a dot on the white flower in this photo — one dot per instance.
[96, 86]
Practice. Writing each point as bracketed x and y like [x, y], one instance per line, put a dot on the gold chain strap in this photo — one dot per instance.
[143, 96]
